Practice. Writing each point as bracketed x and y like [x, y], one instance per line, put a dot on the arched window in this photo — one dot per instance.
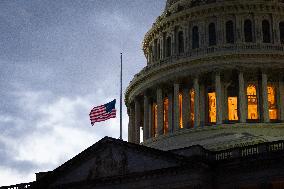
[155, 49]
[281, 31]
[212, 34]
[212, 107]
[180, 110]
[169, 46]
[180, 42]
[158, 51]
[191, 93]
[166, 115]
[150, 53]
[195, 38]
[252, 102]
[272, 103]
[230, 34]
[248, 31]
[233, 108]
[155, 120]
[266, 31]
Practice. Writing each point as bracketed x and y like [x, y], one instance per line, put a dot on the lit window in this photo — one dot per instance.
[192, 106]
[252, 102]
[271, 94]
[166, 118]
[155, 120]
[180, 110]
[212, 107]
[233, 108]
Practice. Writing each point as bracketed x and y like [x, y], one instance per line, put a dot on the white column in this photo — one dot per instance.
[242, 99]
[265, 111]
[160, 112]
[137, 122]
[196, 103]
[170, 112]
[173, 45]
[150, 125]
[185, 108]
[220, 33]
[129, 125]
[161, 48]
[281, 98]
[218, 88]
[202, 34]
[185, 34]
[225, 102]
[131, 136]
[146, 119]
[275, 29]
[202, 97]
[258, 29]
[176, 106]
[239, 29]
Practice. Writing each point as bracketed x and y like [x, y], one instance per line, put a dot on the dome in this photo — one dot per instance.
[214, 76]
[170, 3]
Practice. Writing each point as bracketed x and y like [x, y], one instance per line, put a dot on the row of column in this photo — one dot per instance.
[135, 114]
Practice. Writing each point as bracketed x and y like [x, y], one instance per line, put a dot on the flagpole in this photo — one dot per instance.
[120, 137]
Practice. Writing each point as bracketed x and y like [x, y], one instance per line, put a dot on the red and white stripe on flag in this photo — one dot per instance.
[100, 113]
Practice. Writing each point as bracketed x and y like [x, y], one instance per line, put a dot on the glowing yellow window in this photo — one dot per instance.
[233, 108]
[192, 106]
[212, 107]
[166, 112]
[271, 94]
[252, 102]
[155, 120]
[180, 110]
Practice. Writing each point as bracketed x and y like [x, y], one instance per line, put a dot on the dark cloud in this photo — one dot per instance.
[57, 60]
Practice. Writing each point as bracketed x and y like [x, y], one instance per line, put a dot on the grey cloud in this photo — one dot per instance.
[64, 50]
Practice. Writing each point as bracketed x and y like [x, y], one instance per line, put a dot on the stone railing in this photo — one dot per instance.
[19, 186]
[246, 151]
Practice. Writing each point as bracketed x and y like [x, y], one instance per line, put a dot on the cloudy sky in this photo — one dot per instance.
[58, 59]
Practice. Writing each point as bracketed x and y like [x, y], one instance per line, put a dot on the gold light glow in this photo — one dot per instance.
[271, 94]
[233, 108]
[155, 119]
[166, 118]
[192, 106]
[180, 110]
[212, 107]
[252, 102]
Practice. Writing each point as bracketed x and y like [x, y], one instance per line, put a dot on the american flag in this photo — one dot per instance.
[103, 112]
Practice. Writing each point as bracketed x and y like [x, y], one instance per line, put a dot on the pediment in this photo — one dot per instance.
[113, 157]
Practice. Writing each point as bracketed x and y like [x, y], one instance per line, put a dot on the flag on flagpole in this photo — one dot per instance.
[103, 112]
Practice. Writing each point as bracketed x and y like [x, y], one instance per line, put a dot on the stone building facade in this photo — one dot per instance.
[214, 76]
[210, 102]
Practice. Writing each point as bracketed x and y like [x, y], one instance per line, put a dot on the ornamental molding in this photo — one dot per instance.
[171, 70]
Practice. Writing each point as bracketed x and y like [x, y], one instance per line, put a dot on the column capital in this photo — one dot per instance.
[240, 69]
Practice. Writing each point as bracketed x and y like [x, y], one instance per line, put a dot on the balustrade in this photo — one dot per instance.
[19, 186]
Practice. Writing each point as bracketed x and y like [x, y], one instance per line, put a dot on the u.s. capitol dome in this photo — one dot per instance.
[214, 76]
